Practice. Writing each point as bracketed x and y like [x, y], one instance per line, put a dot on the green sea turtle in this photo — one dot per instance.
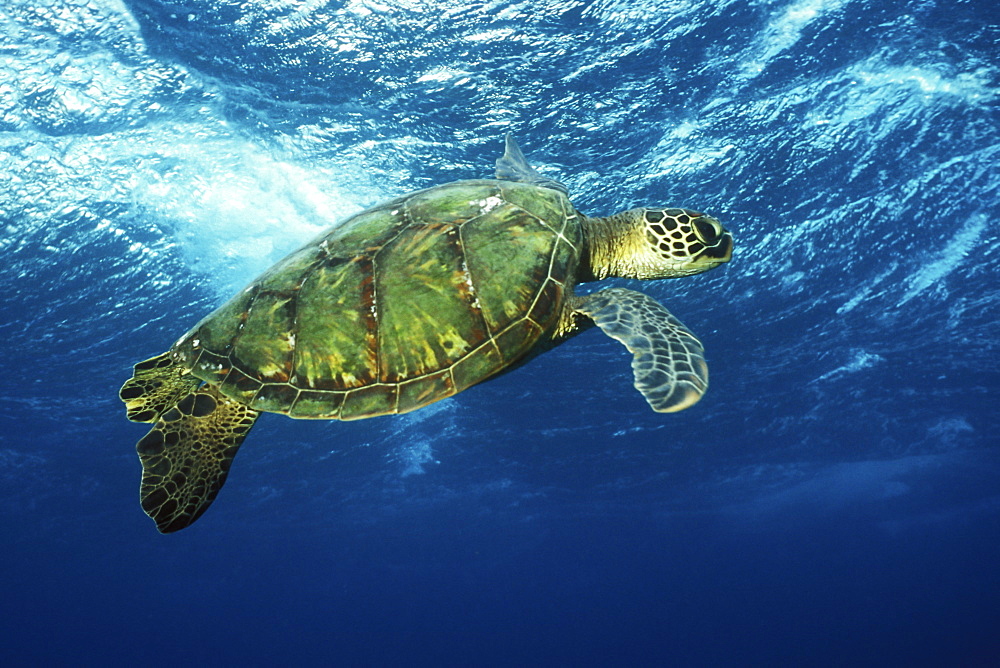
[410, 302]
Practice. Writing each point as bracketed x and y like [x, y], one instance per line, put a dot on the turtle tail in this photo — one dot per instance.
[187, 454]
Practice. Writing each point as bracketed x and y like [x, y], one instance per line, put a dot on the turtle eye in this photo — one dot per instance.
[708, 230]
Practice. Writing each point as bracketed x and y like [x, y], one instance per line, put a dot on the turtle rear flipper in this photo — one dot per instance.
[513, 166]
[187, 454]
[669, 361]
[155, 385]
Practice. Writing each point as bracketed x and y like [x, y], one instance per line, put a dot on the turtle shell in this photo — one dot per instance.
[397, 307]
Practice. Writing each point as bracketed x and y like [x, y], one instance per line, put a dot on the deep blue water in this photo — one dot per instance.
[833, 500]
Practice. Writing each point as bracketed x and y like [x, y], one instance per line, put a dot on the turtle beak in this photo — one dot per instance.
[721, 252]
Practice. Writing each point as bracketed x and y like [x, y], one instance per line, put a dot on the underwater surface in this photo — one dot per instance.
[834, 498]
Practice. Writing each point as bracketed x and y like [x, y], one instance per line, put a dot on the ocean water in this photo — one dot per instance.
[834, 498]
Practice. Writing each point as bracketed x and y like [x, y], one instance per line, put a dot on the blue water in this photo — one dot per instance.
[833, 500]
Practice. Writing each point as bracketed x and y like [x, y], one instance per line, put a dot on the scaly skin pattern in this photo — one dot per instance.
[398, 307]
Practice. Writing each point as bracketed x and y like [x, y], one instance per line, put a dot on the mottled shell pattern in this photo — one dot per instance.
[397, 307]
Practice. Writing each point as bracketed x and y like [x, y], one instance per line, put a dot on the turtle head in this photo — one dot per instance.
[656, 243]
[681, 242]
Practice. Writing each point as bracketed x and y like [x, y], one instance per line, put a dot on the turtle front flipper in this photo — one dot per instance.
[668, 363]
[187, 454]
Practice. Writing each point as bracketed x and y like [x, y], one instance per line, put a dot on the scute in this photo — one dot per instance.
[397, 307]
[510, 261]
[261, 345]
[334, 331]
[426, 320]
[451, 205]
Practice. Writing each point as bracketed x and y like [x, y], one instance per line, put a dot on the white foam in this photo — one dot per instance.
[673, 156]
[874, 86]
[948, 259]
[785, 29]
[971, 86]
[866, 290]
[859, 360]
[636, 14]
[414, 457]
[841, 485]
[234, 208]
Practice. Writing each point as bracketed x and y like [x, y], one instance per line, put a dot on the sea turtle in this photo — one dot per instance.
[410, 302]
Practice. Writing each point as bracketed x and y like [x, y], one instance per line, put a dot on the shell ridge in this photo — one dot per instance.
[376, 330]
[553, 254]
[475, 306]
[406, 223]
[293, 376]
[231, 346]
